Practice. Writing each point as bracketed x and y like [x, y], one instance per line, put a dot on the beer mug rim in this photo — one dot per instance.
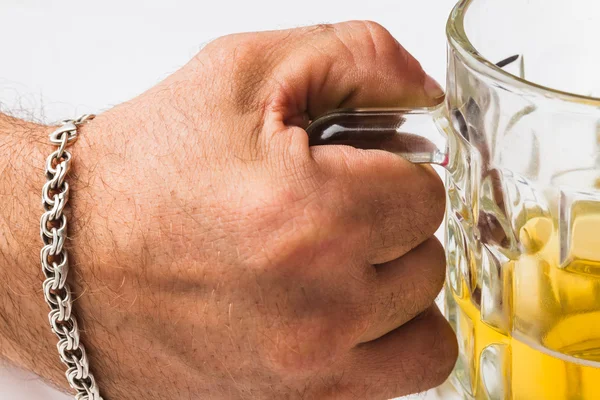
[459, 41]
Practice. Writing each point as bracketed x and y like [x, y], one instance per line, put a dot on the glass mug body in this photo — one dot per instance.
[523, 181]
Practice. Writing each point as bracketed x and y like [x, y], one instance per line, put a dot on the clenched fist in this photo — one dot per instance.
[215, 255]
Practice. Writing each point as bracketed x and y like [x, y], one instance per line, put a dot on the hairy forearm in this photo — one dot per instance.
[25, 337]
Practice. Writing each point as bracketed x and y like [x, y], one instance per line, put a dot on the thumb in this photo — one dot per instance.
[352, 64]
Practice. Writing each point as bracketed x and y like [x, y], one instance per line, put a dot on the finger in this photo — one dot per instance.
[413, 358]
[395, 204]
[405, 288]
[352, 64]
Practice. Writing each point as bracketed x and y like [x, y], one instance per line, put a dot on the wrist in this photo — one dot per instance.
[25, 336]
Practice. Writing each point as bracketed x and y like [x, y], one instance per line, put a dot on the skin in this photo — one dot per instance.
[214, 254]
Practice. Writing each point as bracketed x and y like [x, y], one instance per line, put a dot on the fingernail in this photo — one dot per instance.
[433, 89]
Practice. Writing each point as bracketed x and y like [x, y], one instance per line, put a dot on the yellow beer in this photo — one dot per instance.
[552, 350]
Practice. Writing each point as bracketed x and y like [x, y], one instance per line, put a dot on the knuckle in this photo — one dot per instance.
[372, 28]
[221, 45]
[320, 29]
[375, 38]
[376, 43]
[244, 64]
[377, 31]
[358, 40]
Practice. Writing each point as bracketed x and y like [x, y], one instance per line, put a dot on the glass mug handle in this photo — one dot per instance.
[416, 134]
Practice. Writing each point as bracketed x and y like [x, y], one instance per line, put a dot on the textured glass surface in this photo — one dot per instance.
[523, 221]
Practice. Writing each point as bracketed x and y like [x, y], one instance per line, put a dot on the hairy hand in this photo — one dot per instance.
[215, 255]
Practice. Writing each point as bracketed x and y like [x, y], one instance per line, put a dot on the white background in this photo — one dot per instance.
[62, 58]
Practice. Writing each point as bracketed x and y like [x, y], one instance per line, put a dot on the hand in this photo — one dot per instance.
[215, 255]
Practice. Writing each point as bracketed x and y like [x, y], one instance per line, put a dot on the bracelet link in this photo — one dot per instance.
[55, 262]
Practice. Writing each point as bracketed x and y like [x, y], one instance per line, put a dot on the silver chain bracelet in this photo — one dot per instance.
[55, 262]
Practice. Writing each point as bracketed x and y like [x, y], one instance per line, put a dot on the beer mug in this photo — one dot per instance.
[519, 137]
